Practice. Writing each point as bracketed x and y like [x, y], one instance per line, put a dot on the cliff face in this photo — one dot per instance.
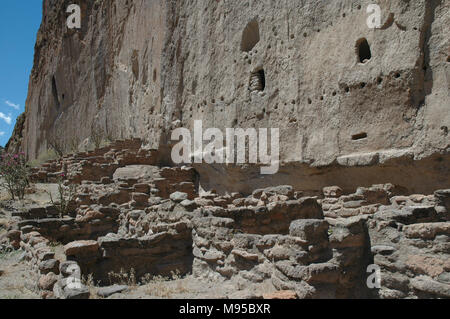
[101, 74]
[355, 106]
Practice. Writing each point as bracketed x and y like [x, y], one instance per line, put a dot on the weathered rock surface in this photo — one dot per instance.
[106, 292]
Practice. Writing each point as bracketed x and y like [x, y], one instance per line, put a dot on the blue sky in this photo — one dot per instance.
[19, 23]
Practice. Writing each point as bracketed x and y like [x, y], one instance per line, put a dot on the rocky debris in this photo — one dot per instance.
[281, 295]
[310, 230]
[383, 250]
[368, 200]
[244, 295]
[106, 292]
[64, 289]
[444, 278]
[178, 197]
[66, 268]
[427, 230]
[47, 281]
[49, 266]
[36, 247]
[14, 238]
[332, 192]
[430, 288]
[190, 205]
[81, 248]
[410, 244]
[68, 284]
[283, 190]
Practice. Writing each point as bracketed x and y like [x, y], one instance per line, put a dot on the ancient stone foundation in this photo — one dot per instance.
[147, 219]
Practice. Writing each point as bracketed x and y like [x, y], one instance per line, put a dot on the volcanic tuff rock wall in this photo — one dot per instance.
[346, 117]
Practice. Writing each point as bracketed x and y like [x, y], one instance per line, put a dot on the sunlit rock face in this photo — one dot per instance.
[354, 105]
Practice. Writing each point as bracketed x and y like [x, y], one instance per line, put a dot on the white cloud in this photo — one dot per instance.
[5, 118]
[2, 133]
[13, 105]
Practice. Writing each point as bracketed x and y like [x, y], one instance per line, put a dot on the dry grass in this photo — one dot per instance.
[90, 283]
[164, 287]
[123, 278]
[154, 286]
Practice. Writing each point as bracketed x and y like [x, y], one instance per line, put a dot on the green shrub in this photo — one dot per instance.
[14, 173]
[66, 196]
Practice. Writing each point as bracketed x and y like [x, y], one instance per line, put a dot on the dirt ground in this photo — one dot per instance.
[17, 281]
[193, 288]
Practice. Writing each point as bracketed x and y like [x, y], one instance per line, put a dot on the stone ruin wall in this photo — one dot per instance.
[139, 68]
[138, 220]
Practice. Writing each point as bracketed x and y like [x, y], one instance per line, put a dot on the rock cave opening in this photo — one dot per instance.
[363, 50]
[250, 36]
[258, 81]
[359, 136]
